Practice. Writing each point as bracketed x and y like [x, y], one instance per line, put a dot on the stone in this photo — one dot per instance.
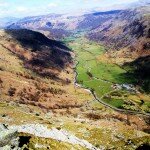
[60, 135]
[8, 138]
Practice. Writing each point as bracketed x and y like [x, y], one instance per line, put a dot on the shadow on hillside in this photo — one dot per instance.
[143, 147]
[46, 54]
[138, 73]
[35, 40]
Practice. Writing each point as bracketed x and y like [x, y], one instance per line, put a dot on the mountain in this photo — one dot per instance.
[127, 32]
[140, 3]
[53, 25]
[60, 26]
[6, 21]
[63, 22]
[93, 20]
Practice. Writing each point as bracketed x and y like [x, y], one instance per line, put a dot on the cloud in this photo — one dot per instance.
[39, 7]
[21, 9]
[3, 4]
[52, 5]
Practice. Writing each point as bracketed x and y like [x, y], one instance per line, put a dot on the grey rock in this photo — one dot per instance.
[8, 138]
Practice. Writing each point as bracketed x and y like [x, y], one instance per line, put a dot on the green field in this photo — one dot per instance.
[99, 74]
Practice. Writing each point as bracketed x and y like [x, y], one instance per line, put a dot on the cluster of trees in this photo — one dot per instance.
[89, 74]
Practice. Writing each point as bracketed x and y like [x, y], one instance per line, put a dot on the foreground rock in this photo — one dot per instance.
[60, 135]
[8, 138]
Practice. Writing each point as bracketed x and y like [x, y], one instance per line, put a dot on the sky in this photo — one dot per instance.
[22, 8]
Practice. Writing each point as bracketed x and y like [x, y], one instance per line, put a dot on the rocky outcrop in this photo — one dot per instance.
[10, 141]
[60, 135]
[8, 138]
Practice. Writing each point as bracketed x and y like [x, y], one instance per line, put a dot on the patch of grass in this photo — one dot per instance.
[114, 102]
[127, 100]
[16, 115]
[96, 135]
[99, 87]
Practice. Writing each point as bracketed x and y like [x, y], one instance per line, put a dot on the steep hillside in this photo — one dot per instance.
[127, 38]
[128, 32]
[140, 69]
[39, 53]
[36, 70]
[94, 20]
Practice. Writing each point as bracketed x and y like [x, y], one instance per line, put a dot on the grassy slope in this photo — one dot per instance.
[105, 73]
